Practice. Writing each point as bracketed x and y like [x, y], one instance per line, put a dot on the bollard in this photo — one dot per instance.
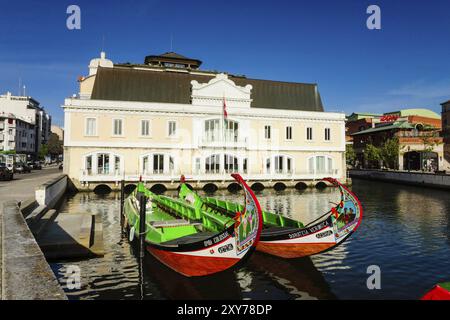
[122, 201]
[142, 227]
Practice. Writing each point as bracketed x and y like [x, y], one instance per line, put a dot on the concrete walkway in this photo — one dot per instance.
[20, 189]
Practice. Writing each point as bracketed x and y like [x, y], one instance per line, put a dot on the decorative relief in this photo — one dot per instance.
[218, 88]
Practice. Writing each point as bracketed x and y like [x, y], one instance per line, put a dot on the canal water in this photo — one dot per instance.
[405, 232]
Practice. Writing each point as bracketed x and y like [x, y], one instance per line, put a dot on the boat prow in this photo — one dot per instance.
[440, 291]
[319, 236]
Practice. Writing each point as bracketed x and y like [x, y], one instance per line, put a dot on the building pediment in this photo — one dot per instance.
[218, 88]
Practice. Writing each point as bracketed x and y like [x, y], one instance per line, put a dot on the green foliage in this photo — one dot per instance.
[8, 152]
[389, 152]
[350, 154]
[43, 151]
[55, 146]
[372, 153]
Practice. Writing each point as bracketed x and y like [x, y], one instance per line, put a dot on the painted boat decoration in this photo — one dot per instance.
[193, 242]
[441, 291]
[288, 238]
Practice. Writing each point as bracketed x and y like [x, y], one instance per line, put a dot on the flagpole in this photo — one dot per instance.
[223, 131]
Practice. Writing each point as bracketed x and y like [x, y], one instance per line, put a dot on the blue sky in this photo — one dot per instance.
[405, 64]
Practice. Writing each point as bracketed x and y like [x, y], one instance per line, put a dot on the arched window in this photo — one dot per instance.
[230, 163]
[281, 164]
[103, 163]
[157, 163]
[212, 164]
[320, 165]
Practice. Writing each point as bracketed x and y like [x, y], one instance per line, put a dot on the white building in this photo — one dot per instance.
[28, 114]
[165, 118]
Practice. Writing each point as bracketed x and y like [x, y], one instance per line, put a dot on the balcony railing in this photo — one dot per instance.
[223, 142]
[87, 176]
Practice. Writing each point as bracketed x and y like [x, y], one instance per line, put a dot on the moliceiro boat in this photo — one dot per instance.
[441, 291]
[288, 238]
[190, 240]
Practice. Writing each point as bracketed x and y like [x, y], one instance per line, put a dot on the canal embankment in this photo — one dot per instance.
[423, 179]
[25, 273]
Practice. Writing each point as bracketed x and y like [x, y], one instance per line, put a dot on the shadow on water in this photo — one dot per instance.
[299, 277]
[175, 286]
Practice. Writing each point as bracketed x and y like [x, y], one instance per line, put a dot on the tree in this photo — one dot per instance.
[43, 151]
[372, 153]
[389, 152]
[350, 154]
[55, 146]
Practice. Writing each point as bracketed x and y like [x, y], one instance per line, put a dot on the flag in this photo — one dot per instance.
[225, 114]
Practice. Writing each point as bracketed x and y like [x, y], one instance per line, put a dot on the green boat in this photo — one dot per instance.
[190, 240]
[288, 238]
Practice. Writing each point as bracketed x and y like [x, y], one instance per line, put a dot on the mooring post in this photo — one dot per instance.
[122, 201]
[142, 227]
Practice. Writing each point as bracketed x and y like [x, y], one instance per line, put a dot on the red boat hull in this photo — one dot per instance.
[437, 293]
[191, 265]
[293, 250]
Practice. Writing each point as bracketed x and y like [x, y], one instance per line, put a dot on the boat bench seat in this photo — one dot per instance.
[172, 223]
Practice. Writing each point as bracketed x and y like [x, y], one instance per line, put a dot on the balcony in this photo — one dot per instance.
[227, 142]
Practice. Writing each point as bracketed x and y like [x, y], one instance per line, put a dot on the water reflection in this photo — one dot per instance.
[405, 231]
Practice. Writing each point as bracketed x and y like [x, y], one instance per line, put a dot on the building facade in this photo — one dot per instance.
[167, 118]
[446, 132]
[26, 117]
[58, 131]
[16, 135]
[418, 132]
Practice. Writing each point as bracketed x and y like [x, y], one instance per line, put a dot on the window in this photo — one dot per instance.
[212, 164]
[245, 165]
[283, 164]
[171, 164]
[212, 130]
[145, 165]
[320, 164]
[197, 165]
[327, 134]
[158, 163]
[145, 127]
[309, 133]
[116, 164]
[91, 127]
[279, 164]
[231, 130]
[117, 127]
[89, 164]
[172, 128]
[103, 163]
[288, 133]
[268, 165]
[231, 164]
[267, 132]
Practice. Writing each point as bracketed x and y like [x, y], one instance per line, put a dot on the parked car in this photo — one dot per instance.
[35, 165]
[60, 166]
[21, 167]
[5, 172]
